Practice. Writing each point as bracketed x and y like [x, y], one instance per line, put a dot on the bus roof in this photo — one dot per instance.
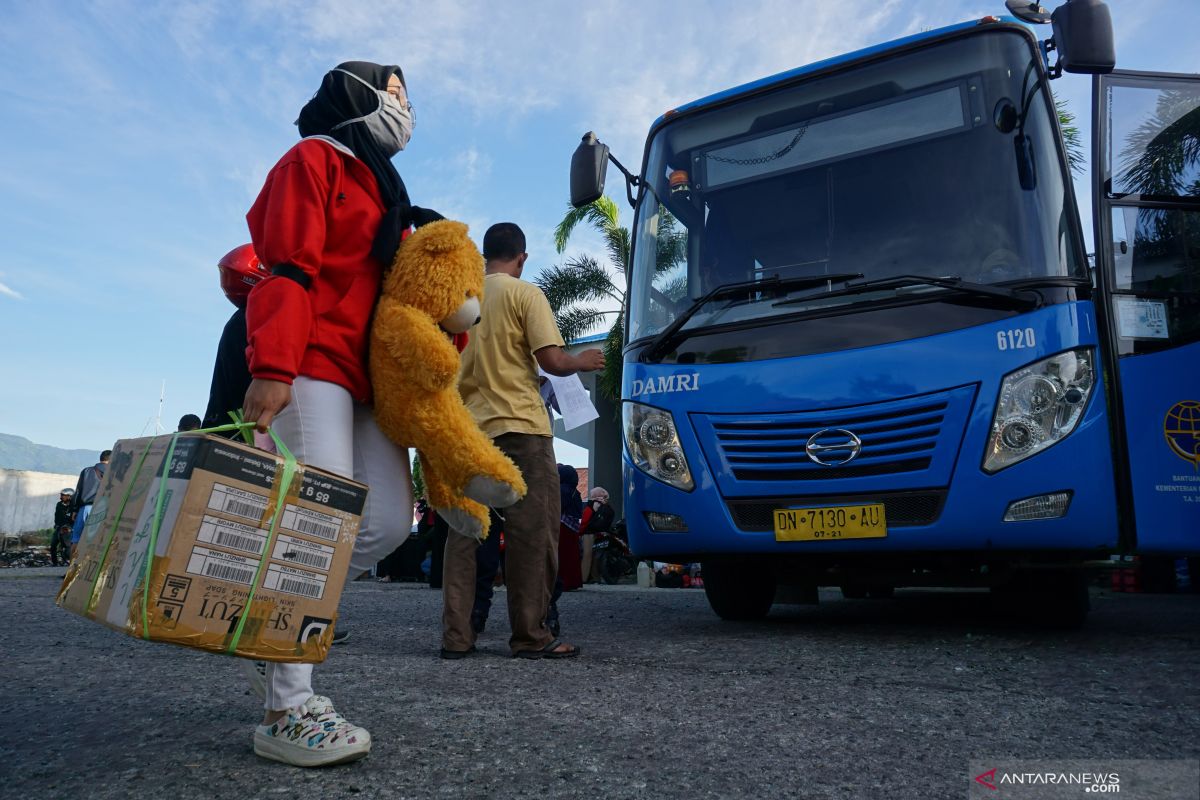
[817, 66]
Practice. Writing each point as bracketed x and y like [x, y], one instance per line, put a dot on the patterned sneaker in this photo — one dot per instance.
[312, 735]
[256, 674]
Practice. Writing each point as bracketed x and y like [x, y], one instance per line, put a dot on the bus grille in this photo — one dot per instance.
[898, 437]
[903, 509]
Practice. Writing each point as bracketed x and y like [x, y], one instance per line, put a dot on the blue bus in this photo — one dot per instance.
[865, 347]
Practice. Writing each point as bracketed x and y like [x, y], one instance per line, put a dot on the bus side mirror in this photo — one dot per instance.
[1083, 36]
[588, 166]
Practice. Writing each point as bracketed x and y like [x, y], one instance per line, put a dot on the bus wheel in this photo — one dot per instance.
[738, 590]
[854, 591]
[881, 592]
[1055, 599]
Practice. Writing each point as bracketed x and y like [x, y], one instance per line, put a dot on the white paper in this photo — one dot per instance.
[1142, 319]
[572, 399]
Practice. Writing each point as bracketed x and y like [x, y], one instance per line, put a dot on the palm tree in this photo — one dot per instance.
[418, 478]
[1161, 154]
[576, 288]
[1072, 140]
[1160, 159]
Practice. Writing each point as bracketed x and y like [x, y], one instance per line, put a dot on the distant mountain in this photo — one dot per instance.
[17, 452]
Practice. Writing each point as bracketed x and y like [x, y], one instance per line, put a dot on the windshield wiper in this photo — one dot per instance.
[1016, 297]
[1046, 281]
[674, 333]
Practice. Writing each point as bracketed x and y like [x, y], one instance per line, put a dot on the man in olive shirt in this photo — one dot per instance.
[498, 381]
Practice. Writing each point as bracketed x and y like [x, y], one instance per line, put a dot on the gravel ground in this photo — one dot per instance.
[852, 699]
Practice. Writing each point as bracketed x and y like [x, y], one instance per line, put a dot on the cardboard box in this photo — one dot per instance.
[214, 545]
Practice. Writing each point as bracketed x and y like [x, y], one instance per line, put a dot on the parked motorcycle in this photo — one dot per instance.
[614, 560]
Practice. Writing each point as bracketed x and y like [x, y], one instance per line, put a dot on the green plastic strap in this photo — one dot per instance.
[93, 597]
[247, 436]
[283, 484]
[158, 513]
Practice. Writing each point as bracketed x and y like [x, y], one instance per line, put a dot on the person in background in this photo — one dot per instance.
[597, 519]
[60, 538]
[568, 528]
[240, 271]
[85, 495]
[498, 382]
[188, 422]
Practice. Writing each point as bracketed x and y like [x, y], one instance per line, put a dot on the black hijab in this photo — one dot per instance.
[341, 98]
[572, 503]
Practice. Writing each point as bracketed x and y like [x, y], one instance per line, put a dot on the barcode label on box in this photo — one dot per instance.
[238, 502]
[295, 581]
[222, 566]
[299, 551]
[234, 535]
[314, 523]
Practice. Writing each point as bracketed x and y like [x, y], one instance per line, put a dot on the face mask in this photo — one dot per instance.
[390, 125]
[394, 126]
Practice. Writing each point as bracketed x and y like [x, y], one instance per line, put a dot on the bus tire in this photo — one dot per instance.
[738, 590]
[1055, 599]
[854, 591]
[1066, 601]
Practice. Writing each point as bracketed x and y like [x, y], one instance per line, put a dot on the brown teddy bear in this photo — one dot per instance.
[434, 289]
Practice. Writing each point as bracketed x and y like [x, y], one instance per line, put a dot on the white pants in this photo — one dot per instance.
[325, 428]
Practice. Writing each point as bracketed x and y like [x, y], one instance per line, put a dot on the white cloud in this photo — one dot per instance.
[617, 65]
[10, 292]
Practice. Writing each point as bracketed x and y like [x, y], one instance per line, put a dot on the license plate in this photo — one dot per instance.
[830, 523]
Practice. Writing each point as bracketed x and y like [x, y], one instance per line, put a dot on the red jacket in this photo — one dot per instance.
[318, 211]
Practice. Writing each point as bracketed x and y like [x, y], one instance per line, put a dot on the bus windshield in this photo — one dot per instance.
[940, 162]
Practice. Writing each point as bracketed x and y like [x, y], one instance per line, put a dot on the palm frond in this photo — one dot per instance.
[602, 214]
[616, 242]
[608, 382]
[576, 322]
[675, 287]
[580, 280]
[671, 243]
[418, 477]
[1072, 139]
[1158, 153]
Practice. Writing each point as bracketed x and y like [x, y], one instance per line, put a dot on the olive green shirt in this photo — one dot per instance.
[498, 377]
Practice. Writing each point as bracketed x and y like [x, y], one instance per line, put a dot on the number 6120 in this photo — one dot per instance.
[1015, 339]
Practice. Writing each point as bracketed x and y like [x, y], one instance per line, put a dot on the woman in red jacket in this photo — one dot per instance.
[327, 223]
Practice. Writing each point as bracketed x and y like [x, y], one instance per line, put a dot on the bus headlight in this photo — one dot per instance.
[1039, 405]
[653, 445]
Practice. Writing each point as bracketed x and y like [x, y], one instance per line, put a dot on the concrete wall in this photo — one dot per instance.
[27, 499]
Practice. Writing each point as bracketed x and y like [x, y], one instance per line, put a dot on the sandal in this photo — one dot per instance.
[549, 651]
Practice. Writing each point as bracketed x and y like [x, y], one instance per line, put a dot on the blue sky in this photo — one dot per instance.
[137, 134]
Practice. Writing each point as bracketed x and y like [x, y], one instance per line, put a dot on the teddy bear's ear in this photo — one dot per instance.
[443, 236]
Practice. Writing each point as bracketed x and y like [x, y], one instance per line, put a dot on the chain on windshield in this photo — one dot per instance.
[745, 162]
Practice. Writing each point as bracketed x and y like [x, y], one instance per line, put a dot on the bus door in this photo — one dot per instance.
[1146, 209]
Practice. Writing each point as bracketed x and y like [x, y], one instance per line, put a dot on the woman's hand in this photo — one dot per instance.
[264, 399]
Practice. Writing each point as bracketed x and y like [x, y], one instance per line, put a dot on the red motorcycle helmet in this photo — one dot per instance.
[240, 270]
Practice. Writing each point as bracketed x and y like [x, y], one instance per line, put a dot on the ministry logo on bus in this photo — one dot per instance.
[666, 383]
[1182, 429]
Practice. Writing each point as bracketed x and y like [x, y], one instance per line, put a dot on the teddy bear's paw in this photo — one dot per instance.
[491, 492]
[462, 522]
